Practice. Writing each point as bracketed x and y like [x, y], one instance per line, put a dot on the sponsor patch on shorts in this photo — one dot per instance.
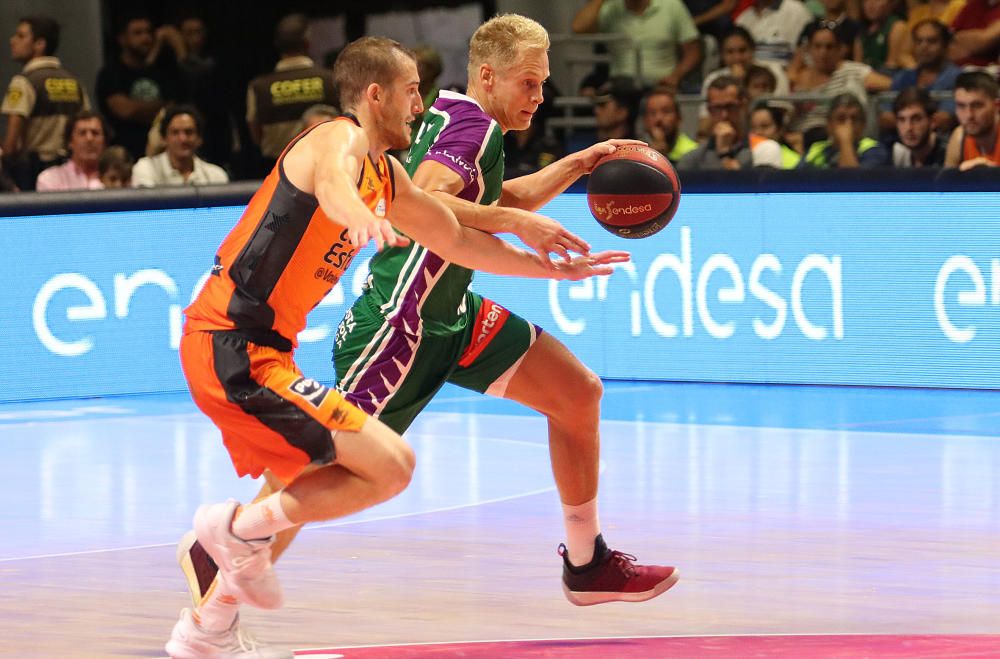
[313, 392]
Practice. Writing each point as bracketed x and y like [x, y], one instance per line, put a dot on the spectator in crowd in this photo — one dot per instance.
[661, 122]
[846, 146]
[658, 28]
[943, 11]
[836, 17]
[737, 50]
[38, 103]
[976, 32]
[831, 75]
[85, 138]
[317, 114]
[202, 86]
[884, 41]
[712, 17]
[775, 26]
[760, 81]
[615, 108]
[115, 167]
[769, 120]
[133, 88]
[276, 100]
[178, 164]
[730, 146]
[917, 143]
[976, 140]
[933, 70]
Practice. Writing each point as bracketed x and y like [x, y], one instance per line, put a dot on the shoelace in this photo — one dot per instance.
[624, 562]
[247, 641]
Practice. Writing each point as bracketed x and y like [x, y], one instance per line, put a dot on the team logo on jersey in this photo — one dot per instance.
[314, 392]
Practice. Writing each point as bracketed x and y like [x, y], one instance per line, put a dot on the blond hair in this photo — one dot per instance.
[501, 40]
[365, 61]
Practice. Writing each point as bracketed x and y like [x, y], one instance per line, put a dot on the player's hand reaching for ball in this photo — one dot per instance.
[546, 236]
[589, 157]
[583, 267]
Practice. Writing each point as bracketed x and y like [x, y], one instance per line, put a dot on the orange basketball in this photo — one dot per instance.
[633, 192]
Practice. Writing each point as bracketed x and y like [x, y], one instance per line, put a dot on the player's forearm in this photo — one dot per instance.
[481, 251]
[533, 191]
[489, 219]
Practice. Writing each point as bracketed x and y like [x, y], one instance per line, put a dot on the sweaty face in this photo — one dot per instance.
[976, 111]
[87, 140]
[661, 112]
[182, 137]
[517, 90]
[913, 126]
[22, 43]
[402, 104]
[928, 47]
[736, 50]
[762, 123]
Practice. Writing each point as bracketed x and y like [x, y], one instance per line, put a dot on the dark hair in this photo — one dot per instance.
[944, 32]
[778, 114]
[44, 27]
[757, 71]
[838, 35]
[914, 96]
[128, 19]
[365, 61]
[845, 100]
[741, 32]
[725, 82]
[84, 115]
[115, 156]
[175, 110]
[978, 81]
[291, 34]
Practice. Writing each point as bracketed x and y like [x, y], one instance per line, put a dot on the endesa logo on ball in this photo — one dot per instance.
[619, 211]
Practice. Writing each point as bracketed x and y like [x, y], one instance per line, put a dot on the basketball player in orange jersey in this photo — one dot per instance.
[332, 190]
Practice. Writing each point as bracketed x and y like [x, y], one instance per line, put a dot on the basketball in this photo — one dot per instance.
[633, 192]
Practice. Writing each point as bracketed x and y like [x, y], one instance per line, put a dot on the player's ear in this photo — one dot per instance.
[373, 93]
[487, 76]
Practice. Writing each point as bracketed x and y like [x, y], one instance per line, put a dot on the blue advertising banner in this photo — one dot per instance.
[899, 289]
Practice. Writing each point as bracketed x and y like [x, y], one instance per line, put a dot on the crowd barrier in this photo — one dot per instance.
[761, 277]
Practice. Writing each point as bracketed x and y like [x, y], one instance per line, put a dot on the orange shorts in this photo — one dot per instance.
[270, 415]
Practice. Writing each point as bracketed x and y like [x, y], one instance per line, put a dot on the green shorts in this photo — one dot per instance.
[392, 374]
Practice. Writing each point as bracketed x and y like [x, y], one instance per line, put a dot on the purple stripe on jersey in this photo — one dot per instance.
[407, 317]
[458, 145]
[380, 378]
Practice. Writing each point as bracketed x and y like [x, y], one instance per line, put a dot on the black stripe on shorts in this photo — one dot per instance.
[232, 367]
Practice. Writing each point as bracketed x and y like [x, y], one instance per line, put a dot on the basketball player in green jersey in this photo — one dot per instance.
[417, 325]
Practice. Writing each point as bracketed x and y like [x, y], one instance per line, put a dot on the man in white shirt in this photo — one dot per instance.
[85, 138]
[775, 26]
[178, 164]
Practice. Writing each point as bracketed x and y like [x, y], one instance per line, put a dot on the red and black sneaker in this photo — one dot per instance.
[612, 576]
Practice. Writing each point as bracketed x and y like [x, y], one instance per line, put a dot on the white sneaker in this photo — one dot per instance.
[189, 641]
[245, 564]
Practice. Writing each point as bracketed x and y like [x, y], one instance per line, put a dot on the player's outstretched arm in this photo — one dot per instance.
[533, 191]
[540, 233]
[427, 220]
[339, 150]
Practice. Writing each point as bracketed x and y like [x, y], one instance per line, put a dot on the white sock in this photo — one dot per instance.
[582, 527]
[261, 519]
[218, 609]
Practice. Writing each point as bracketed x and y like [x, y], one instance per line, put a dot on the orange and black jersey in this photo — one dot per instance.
[282, 258]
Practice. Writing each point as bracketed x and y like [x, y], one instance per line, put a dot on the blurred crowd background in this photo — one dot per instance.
[111, 93]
